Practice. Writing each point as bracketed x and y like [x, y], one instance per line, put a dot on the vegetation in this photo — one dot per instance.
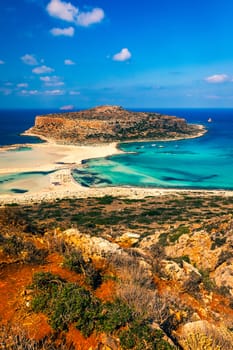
[128, 297]
[65, 303]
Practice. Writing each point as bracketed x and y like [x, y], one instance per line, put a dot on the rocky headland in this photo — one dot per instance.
[106, 124]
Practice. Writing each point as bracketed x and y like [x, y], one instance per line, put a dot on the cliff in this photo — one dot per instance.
[110, 123]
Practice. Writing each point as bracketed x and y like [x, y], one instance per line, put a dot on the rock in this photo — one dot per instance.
[128, 238]
[197, 246]
[90, 246]
[180, 273]
[204, 335]
[223, 275]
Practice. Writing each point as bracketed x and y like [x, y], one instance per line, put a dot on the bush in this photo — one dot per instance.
[106, 199]
[15, 247]
[114, 315]
[181, 230]
[74, 261]
[140, 336]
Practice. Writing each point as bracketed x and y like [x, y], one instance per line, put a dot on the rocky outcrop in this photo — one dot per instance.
[204, 335]
[110, 123]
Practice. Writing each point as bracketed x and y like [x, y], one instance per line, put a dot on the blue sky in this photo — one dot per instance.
[82, 53]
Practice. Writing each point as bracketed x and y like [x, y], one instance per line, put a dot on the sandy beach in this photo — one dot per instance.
[60, 160]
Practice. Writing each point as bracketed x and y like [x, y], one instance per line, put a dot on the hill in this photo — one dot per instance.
[117, 273]
[111, 123]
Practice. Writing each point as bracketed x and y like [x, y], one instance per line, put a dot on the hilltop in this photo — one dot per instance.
[111, 123]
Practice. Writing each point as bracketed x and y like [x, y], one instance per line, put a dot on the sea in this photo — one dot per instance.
[201, 163]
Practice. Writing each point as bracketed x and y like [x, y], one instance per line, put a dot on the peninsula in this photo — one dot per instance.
[105, 124]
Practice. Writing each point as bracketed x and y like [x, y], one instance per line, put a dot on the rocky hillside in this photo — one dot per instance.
[110, 123]
[118, 273]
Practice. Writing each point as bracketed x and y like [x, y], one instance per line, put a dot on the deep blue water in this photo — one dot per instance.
[205, 162]
[14, 122]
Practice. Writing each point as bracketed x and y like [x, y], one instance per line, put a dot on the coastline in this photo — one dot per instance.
[60, 159]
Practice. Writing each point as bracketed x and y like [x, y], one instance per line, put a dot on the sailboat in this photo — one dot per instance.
[209, 120]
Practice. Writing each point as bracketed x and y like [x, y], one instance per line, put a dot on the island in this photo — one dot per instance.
[105, 124]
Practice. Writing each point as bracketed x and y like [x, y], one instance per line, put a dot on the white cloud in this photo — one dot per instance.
[29, 59]
[217, 78]
[54, 92]
[42, 70]
[62, 10]
[87, 18]
[69, 62]
[68, 12]
[2, 62]
[65, 31]
[123, 55]
[29, 92]
[74, 93]
[67, 108]
[22, 85]
[52, 81]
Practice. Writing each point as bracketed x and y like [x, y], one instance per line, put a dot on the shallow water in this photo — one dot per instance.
[205, 162]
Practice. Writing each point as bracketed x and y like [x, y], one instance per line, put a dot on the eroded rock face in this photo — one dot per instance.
[223, 275]
[198, 247]
[108, 124]
[90, 246]
[174, 271]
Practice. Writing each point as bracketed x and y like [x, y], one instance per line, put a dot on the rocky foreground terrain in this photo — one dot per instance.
[110, 123]
[118, 273]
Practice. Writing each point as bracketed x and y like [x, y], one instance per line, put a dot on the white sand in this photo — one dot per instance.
[60, 184]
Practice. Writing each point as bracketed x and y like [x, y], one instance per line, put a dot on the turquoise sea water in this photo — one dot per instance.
[205, 162]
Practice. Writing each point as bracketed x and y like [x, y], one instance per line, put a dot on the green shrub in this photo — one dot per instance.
[181, 230]
[140, 336]
[74, 261]
[114, 315]
[106, 199]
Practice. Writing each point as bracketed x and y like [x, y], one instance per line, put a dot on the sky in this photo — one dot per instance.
[138, 54]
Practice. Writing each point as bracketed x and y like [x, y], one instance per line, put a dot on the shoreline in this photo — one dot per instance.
[60, 159]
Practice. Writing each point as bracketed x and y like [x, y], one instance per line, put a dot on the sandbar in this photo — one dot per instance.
[59, 160]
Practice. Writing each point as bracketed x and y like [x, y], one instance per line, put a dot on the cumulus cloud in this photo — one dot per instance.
[29, 59]
[54, 92]
[52, 81]
[42, 70]
[87, 18]
[2, 62]
[62, 10]
[62, 31]
[68, 12]
[69, 62]
[123, 55]
[67, 108]
[29, 92]
[217, 78]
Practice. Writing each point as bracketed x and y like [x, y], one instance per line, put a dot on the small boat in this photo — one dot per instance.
[209, 120]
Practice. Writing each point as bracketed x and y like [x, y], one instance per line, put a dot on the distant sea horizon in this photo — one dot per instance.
[200, 163]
